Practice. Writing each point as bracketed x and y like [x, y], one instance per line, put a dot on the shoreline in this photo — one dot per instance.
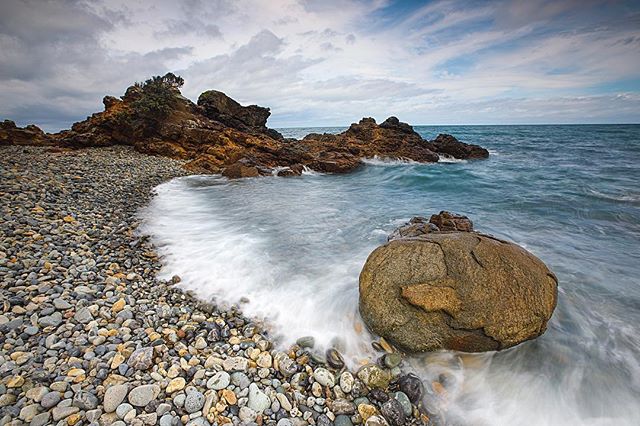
[90, 336]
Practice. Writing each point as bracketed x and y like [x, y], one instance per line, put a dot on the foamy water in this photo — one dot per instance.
[295, 247]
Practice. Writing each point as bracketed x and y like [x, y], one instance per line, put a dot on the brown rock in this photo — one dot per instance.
[449, 145]
[456, 290]
[239, 170]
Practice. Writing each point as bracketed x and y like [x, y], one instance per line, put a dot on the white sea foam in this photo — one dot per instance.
[445, 158]
[382, 161]
[295, 251]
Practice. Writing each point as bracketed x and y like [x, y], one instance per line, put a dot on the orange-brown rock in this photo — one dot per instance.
[10, 134]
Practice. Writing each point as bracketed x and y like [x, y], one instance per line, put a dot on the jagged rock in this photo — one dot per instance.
[219, 107]
[441, 222]
[449, 145]
[10, 134]
[456, 290]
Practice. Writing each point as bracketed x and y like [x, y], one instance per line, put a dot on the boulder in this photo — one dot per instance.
[449, 145]
[456, 290]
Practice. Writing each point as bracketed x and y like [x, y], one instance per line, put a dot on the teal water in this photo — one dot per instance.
[569, 194]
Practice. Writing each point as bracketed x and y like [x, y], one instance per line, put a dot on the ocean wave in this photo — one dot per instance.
[623, 198]
[385, 161]
[444, 158]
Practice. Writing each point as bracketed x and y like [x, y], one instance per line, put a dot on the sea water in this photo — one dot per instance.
[294, 247]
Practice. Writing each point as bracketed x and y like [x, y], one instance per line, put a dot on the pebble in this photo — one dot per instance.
[144, 394]
[219, 381]
[50, 399]
[258, 400]
[194, 401]
[324, 377]
[114, 395]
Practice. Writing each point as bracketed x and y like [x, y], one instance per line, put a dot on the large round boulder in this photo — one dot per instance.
[456, 290]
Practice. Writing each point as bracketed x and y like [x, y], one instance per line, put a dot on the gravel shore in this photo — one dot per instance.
[88, 335]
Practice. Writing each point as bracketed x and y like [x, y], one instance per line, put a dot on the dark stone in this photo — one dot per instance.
[412, 386]
[393, 412]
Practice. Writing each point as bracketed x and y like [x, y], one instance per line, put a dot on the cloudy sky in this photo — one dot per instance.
[330, 62]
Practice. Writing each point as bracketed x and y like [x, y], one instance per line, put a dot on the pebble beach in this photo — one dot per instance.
[90, 336]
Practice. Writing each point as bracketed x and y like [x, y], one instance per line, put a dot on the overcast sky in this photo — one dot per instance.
[330, 62]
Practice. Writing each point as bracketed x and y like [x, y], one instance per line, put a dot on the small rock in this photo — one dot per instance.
[258, 400]
[144, 394]
[219, 381]
[194, 401]
[113, 397]
[141, 359]
[324, 377]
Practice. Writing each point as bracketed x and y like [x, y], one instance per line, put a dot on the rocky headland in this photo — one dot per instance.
[218, 135]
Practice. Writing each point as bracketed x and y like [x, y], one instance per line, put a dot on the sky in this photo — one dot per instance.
[330, 62]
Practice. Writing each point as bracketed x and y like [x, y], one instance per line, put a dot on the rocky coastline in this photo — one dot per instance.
[90, 336]
[218, 135]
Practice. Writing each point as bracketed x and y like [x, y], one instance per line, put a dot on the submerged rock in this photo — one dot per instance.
[455, 290]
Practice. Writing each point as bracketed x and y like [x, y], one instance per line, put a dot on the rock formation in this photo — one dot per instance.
[10, 134]
[219, 135]
[430, 289]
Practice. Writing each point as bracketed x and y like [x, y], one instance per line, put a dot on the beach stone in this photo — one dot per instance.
[175, 385]
[264, 360]
[7, 399]
[412, 387]
[85, 400]
[393, 412]
[50, 400]
[52, 320]
[334, 359]
[124, 409]
[28, 412]
[219, 381]
[346, 382]
[366, 410]
[41, 419]
[343, 420]
[306, 342]
[258, 400]
[324, 377]
[374, 377]
[376, 421]
[392, 360]
[247, 415]
[461, 291]
[194, 401]
[144, 394]
[59, 413]
[113, 396]
[235, 364]
[141, 359]
[404, 401]
[61, 304]
[240, 380]
[168, 420]
[83, 315]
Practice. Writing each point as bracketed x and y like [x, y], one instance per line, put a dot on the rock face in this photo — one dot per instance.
[251, 119]
[449, 145]
[455, 290]
[10, 134]
[219, 134]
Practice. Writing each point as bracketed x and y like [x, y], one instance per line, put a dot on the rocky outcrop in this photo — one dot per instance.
[456, 290]
[218, 133]
[449, 145]
[10, 134]
[251, 119]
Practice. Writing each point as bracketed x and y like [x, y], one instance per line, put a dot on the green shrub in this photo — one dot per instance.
[157, 96]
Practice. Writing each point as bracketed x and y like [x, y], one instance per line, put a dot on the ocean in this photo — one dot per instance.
[570, 194]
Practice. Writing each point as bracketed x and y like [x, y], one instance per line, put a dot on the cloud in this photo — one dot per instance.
[332, 61]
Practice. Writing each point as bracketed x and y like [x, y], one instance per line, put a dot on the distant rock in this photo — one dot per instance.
[10, 134]
[456, 290]
[449, 145]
